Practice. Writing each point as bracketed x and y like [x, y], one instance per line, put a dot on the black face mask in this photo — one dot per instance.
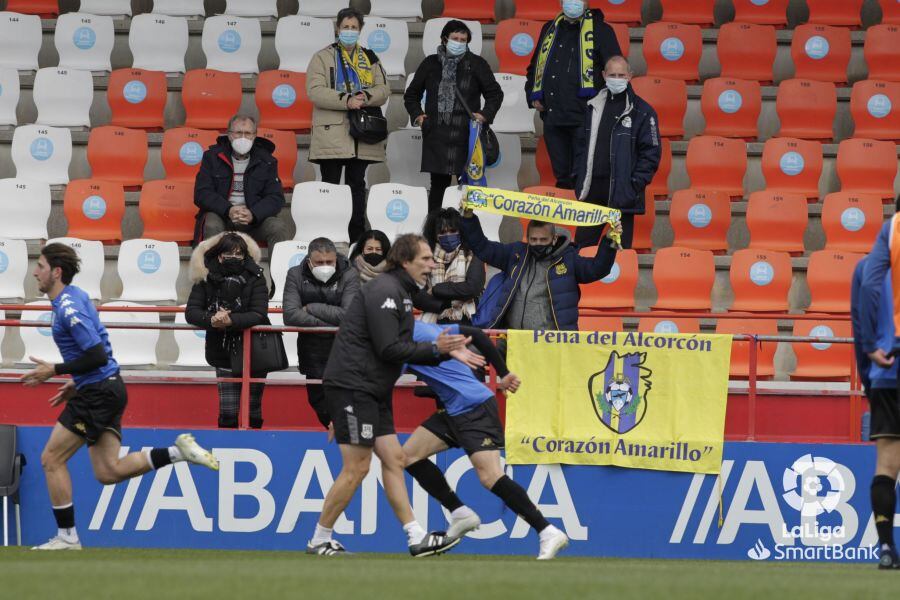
[232, 266]
[373, 259]
[541, 251]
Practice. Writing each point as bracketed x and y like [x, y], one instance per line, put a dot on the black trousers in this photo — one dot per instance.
[561, 147]
[354, 171]
[590, 236]
[439, 184]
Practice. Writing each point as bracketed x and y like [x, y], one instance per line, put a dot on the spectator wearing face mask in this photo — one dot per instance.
[368, 255]
[317, 292]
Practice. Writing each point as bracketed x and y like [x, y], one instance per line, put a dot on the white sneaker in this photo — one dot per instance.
[192, 452]
[460, 527]
[552, 543]
[59, 543]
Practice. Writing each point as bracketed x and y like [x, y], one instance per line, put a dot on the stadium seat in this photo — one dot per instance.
[113, 8]
[20, 41]
[890, 13]
[282, 101]
[13, 267]
[182, 151]
[84, 41]
[148, 270]
[822, 360]
[821, 52]
[669, 325]
[137, 98]
[505, 173]
[806, 109]
[211, 98]
[867, 166]
[290, 338]
[615, 11]
[882, 51]
[395, 208]
[396, 9]
[9, 96]
[118, 155]
[642, 241]
[851, 221]
[133, 346]
[623, 36]
[158, 42]
[46, 9]
[760, 280]
[792, 165]
[700, 219]
[26, 209]
[731, 107]
[595, 322]
[717, 163]
[231, 44]
[42, 153]
[490, 222]
[838, 13]
[767, 12]
[90, 252]
[38, 341]
[691, 12]
[542, 163]
[322, 8]
[616, 290]
[389, 39]
[740, 350]
[63, 97]
[515, 42]
[747, 51]
[284, 256]
[404, 158]
[872, 108]
[828, 276]
[94, 209]
[659, 186]
[298, 38]
[673, 50]
[777, 221]
[683, 278]
[285, 153]
[252, 8]
[167, 210]
[474, 10]
[321, 209]
[669, 98]
[179, 8]
[191, 344]
[514, 115]
[431, 36]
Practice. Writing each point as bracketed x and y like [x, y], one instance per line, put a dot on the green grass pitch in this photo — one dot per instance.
[198, 574]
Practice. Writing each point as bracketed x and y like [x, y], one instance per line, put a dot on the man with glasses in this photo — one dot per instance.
[237, 187]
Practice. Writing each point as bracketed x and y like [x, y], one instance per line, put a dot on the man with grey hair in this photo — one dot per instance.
[237, 187]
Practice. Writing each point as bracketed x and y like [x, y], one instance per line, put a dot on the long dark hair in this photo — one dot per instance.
[229, 242]
[438, 220]
[371, 234]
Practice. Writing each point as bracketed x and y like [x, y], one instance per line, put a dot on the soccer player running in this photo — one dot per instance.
[95, 398]
[469, 420]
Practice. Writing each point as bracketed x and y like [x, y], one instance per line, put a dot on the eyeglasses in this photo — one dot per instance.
[246, 134]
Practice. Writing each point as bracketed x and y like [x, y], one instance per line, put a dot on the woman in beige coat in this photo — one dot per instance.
[334, 88]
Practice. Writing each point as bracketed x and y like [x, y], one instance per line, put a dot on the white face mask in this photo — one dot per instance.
[615, 85]
[241, 145]
[323, 273]
[573, 9]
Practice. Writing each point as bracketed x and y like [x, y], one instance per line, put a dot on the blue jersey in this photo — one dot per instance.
[452, 381]
[76, 328]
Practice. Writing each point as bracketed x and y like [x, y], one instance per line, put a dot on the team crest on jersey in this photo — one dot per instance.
[366, 431]
[619, 392]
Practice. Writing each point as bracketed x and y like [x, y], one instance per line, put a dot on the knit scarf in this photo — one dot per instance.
[586, 53]
[366, 271]
[354, 72]
[451, 267]
[446, 90]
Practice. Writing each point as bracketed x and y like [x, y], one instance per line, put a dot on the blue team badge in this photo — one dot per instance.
[817, 47]
[191, 153]
[879, 106]
[761, 273]
[618, 393]
[821, 331]
[135, 91]
[84, 38]
[666, 327]
[41, 149]
[45, 318]
[4, 261]
[379, 41]
[853, 219]
[522, 44]
[792, 163]
[672, 49]
[613, 274]
[700, 215]
[730, 101]
[296, 260]
[94, 207]
[284, 96]
[397, 210]
[229, 41]
[149, 261]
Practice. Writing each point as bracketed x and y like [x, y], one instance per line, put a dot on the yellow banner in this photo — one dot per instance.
[640, 400]
[561, 211]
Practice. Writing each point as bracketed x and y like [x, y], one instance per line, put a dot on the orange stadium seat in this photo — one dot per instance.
[167, 210]
[828, 276]
[210, 98]
[46, 9]
[792, 165]
[851, 221]
[182, 150]
[867, 166]
[761, 280]
[777, 221]
[623, 36]
[285, 153]
[740, 350]
[282, 101]
[773, 12]
[542, 163]
[118, 154]
[137, 98]
[616, 290]
[700, 219]
[691, 12]
[822, 360]
[890, 13]
[669, 325]
[673, 50]
[683, 278]
[731, 107]
[668, 97]
[614, 11]
[515, 42]
[94, 209]
[473, 10]
[553, 192]
[642, 240]
[717, 163]
[882, 50]
[821, 52]
[747, 51]
[594, 322]
[872, 108]
[806, 109]
[659, 186]
[839, 13]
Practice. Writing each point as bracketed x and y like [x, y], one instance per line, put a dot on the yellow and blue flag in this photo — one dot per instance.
[474, 172]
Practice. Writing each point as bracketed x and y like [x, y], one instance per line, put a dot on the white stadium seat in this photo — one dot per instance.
[158, 42]
[231, 44]
[252, 8]
[191, 344]
[63, 97]
[298, 38]
[132, 347]
[514, 115]
[148, 270]
[285, 255]
[505, 174]
[9, 96]
[20, 41]
[179, 8]
[114, 8]
[396, 9]
[38, 340]
[90, 252]
[389, 39]
[431, 37]
[322, 8]
[25, 207]
[84, 41]
[395, 208]
[289, 338]
[42, 153]
[490, 222]
[321, 210]
[13, 268]
[404, 158]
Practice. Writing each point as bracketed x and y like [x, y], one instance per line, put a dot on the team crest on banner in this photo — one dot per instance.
[619, 392]
[474, 174]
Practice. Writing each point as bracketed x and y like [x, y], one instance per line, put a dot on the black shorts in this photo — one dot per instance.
[885, 420]
[95, 409]
[359, 417]
[473, 431]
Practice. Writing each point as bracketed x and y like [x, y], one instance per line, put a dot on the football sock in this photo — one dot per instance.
[158, 457]
[175, 454]
[515, 497]
[321, 535]
[432, 481]
[65, 522]
[414, 532]
[884, 499]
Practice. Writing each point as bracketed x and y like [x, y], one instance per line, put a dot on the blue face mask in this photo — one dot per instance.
[455, 48]
[573, 9]
[348, 37]
[449, 241]
[616, 85]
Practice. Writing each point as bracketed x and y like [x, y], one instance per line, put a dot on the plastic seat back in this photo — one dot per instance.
[286, 255]
[740, 350]
[731, 107]
[389, 39]
[747, 51]
[84, 41]
[475, 10]
[872, 105]
[118, 155]
[890, 13]
[137, 98]
[158, 42]
[668, 97]
[45, 9]
[191, 344]
[20, 41]
[93, 263]
[760, 280]
[692, 12]
[396, 9]
[210, 98]
[770, 12]
[298, 38]
[395, 208]
[717, 163]
[38, 341]
[286, 153]
[806, 109]
[822, 360]
[63, 97]
[838, 13]
[148, 270]
[182, 151]
[322, 8]
[777, 221]
[42, 153]
[168, 211]
[13, 268]
[821, 52]
[515, 42]
[616, 290]
[828, 276]
[851, 221]
[683, 278]
[404, 158]
[504, 174]
[9, 96]
[792, 165]
[231, 44]
[179, 8]
[669, 325]
[252, 8]
[322, 209]
[26, 208]
[514, 115]
[133, 346]
[673, 50]
[867, 166]
[882, 49]
[282, 101]
[700, 219]
[94, 209]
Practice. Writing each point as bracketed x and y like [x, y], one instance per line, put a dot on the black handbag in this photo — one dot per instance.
[267, 354]
[367, 124]
[490, 145]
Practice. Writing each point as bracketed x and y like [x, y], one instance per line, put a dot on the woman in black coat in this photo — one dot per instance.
[229, 295]
[445, 122]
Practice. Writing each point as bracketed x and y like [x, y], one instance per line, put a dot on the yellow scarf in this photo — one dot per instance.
[586, 54]
[361, 75]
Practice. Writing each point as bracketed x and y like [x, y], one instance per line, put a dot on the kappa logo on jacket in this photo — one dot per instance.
[389, 304]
